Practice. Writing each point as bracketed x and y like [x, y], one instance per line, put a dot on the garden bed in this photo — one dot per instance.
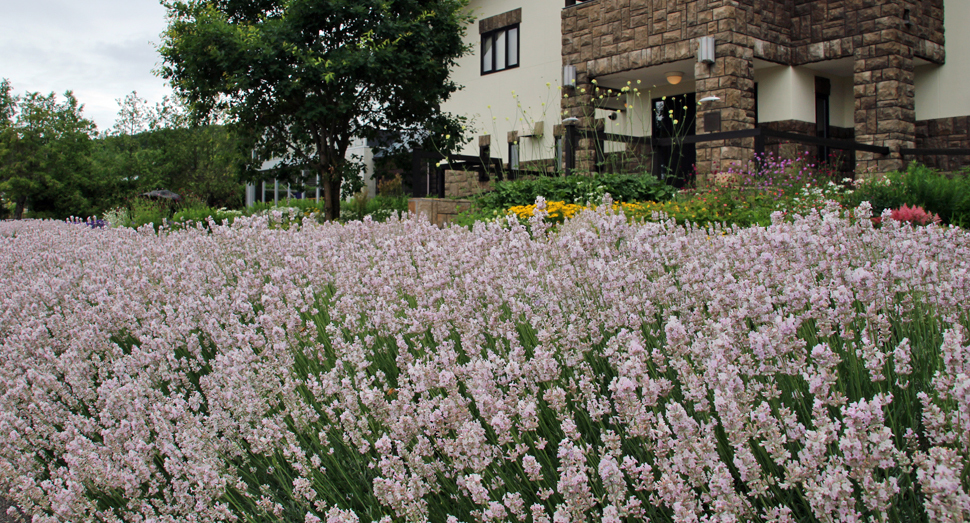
[809, 370]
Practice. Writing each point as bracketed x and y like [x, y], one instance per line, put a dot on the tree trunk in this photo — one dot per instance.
[333, 198]
[331, 195]
[18, 212]
[327, 189]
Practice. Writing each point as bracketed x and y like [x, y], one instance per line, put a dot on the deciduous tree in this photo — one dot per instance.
[158, 148]
[44, 153]
[303, 77]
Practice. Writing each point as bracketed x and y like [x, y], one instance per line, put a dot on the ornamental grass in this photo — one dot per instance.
[810, 370]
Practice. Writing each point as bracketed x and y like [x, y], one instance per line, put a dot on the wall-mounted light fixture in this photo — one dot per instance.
[569, 76]
[674, 77]
[709, 99]
[705, 49]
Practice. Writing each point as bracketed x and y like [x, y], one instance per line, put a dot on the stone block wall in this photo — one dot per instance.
[882, 37]
[943, 133]
[830, 29]
[767, 24]
[885, 106]
[609, 36]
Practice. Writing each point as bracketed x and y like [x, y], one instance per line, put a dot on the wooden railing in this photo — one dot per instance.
[760, 135]
[934, 152]
[425, 183]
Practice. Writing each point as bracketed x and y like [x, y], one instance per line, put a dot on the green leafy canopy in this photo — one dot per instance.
[44, 145]
[304, 77]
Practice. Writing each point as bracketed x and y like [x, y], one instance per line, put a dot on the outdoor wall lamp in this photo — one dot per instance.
[569, 76]
[674, 77]
[705, 49]
[709, 99]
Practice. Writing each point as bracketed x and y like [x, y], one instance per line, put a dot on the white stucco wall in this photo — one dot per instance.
[637, 120]
[841, 100]
[788, 93]
[785, 93]
[360, 152]
[488, 100]
[943, 91]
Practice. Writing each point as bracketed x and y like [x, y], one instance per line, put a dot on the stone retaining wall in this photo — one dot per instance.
[439, 211]
[462, 184]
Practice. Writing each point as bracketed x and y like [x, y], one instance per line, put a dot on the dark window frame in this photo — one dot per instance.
[823, 124]
[757, 123]
[504, 31]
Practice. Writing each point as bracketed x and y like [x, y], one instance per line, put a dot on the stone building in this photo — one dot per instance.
[888, 73]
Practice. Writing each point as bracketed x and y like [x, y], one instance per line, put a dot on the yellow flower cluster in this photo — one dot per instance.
[554, 210]
[647, 208]
[558, 210]
[679, 211]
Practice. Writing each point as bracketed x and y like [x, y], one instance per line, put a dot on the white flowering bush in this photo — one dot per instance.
[117, 217]
[814, 370]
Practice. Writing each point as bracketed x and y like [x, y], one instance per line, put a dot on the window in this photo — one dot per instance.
[500, 49]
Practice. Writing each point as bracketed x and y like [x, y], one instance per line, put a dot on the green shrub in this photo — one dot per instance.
[202, 214]
[143, 211]
[920, 186]
[379, 208]
[391, 186]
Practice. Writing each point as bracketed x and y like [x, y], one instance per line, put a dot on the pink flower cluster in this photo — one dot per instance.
[915, 215]
[605, 370]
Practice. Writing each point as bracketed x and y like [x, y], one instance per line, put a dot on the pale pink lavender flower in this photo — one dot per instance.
[143, 364]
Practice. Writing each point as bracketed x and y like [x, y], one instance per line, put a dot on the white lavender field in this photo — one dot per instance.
[809, 371]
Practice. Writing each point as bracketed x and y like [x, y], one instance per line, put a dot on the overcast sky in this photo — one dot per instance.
[100, 49]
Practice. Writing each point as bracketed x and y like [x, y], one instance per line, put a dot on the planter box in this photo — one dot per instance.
[439, 211]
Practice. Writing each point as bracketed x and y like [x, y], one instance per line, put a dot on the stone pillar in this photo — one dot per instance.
[581, 25]
[730, 78]
[885, 111]
[577, 102]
